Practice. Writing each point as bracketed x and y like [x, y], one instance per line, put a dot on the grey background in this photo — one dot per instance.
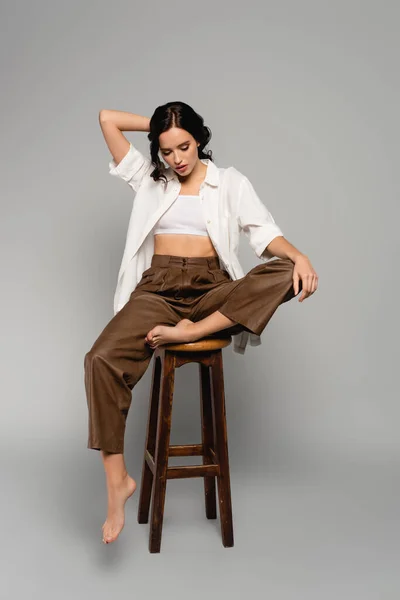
[303, 98]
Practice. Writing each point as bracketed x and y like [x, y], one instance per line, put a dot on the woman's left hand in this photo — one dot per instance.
[303, 270]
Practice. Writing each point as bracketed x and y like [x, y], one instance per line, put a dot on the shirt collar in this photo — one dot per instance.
[212, 174]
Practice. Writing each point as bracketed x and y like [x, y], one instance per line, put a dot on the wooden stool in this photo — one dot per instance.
[214, 447]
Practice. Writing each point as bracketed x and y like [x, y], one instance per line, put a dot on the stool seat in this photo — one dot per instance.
[199, 345]
[207, 352]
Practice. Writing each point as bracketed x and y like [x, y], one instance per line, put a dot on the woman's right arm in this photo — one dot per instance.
[128, 162]
[113, 122]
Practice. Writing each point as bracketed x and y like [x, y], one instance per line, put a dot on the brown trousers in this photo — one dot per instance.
[173, 288]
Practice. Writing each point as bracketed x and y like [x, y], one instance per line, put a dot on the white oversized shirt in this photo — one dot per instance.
[230, 206]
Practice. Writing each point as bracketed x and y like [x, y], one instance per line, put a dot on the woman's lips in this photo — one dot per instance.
[181, 168]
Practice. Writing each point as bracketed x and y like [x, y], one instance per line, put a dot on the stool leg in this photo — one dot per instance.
[162, 451]
[150, 444]
[207, 431]
[221, 446]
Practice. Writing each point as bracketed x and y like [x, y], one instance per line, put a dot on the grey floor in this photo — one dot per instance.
[299, 533]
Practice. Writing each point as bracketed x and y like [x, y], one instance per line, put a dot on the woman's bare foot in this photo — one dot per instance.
[184, 331]
[118, 494]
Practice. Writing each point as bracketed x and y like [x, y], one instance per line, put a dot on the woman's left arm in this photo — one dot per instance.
[303, 268]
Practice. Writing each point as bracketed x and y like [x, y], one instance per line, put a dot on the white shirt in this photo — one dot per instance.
[230, 206]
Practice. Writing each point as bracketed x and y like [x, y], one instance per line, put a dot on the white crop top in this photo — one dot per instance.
[185, 215]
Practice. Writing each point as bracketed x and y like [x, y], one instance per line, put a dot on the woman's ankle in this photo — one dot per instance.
[115, 468]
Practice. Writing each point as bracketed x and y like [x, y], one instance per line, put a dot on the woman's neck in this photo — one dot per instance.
[198, 174]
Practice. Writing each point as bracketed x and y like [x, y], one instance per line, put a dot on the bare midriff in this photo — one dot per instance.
[178, 244]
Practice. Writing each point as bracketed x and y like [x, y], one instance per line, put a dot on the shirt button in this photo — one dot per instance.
[208, 221]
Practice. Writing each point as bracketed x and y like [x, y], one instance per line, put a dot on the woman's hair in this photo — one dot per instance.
[176, 114]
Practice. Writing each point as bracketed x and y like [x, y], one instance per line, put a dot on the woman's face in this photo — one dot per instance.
[179, 148]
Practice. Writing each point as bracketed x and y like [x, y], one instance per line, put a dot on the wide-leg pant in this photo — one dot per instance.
[173, 288]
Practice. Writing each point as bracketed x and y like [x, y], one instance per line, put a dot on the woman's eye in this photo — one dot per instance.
[186, 148]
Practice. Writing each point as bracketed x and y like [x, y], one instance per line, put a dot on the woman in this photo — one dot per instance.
[180, 277]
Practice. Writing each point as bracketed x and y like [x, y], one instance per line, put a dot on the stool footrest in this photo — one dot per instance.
[182, 472]
[186, 450]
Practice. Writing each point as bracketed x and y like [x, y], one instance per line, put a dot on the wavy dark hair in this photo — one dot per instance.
[176, 114]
